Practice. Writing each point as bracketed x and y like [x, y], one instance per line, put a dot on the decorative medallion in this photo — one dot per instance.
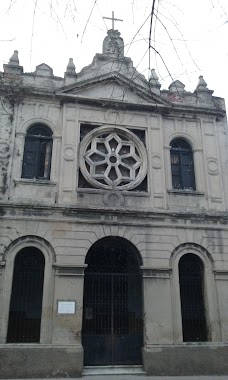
[114, 116]
[113, 158]
[156, 161]
[69, 152]
[113, 199]
[212, 165]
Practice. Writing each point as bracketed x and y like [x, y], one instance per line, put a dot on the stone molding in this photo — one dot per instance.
[158, 273]
[69, 270]
[35, 181]
[221, 274]
[143, 217]
[185, 192]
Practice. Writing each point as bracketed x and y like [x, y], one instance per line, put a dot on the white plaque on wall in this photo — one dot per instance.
[66, 307]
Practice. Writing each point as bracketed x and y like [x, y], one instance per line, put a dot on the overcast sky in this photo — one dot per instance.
[191, 36]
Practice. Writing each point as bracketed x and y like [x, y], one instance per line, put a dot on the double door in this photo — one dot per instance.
[112, 321]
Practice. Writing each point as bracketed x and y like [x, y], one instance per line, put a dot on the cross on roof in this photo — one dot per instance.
[113, 19]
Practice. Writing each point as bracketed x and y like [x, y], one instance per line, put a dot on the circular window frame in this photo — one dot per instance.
[119, 131]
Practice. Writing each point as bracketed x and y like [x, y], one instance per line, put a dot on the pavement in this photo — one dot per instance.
[135, 377]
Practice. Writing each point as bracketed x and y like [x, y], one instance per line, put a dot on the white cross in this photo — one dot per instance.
[113, 19]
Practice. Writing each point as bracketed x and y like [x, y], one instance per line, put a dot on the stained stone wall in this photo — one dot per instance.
[64, 216]
[205, 136]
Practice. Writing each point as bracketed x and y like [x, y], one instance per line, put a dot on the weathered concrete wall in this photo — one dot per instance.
[30, 361]
[63, 218]
[202, 134]
[39, 98]
[65, 241]
[186, 360]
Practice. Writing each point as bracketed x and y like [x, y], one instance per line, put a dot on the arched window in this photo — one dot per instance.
[37, 153]
[182, 165]
[191, 276]
[26, 297]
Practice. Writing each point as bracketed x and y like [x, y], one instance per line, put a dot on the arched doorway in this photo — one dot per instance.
[191, 275]
[26, 297]
[112, 317]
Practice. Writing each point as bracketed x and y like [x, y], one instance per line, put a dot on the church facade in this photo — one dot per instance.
[113, 229]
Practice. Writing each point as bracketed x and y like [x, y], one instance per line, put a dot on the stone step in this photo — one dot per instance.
[113, 370]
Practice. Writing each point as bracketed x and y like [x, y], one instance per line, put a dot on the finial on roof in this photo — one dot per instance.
[13, 66]
[70, 73]
[113, 44]
[14, 60]
[202, 85]
[154, 82]
[202, 88]
[70, 67]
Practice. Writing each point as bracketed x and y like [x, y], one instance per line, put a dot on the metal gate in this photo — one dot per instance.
[26, 297]
[191, 274]
[112, 327]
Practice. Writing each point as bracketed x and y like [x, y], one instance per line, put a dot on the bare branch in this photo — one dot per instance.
[33, 23]
[151, 24]
[88, 19]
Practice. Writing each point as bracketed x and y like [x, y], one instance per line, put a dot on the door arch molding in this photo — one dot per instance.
[48, 285]
[119, 240]
[210, 299]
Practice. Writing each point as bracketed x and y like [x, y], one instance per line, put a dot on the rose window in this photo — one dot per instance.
[113, 157]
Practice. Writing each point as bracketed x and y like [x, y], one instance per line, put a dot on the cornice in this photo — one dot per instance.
[152, 102]
[100, 214]
[167, 110]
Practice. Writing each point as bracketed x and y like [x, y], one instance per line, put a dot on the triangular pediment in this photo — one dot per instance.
[113, 87]
[44, 70]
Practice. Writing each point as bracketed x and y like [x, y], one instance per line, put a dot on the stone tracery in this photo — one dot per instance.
[113, 158]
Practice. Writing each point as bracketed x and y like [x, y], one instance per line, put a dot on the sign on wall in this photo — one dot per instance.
[66, 307]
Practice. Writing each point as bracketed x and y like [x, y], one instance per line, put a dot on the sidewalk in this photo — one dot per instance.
[133, 377]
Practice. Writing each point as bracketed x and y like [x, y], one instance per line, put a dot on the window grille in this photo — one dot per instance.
[37, 153]
[182, 165]
[191, 275]
[26, 297]
[112, 331]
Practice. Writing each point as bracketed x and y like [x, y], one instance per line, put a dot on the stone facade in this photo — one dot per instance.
[95, 190]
